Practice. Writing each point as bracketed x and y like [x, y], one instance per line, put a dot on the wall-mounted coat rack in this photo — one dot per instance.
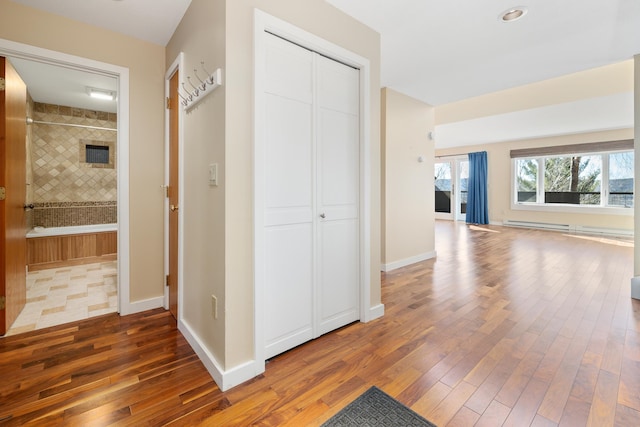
[201, 89]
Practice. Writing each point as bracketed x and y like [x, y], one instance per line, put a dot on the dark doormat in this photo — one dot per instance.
[376, 408]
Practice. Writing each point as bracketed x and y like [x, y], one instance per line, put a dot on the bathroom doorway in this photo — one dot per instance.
[77, 187]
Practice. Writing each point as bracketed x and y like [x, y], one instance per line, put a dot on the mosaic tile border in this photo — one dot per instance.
[68, 214]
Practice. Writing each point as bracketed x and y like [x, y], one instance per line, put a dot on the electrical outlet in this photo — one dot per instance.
[214, 306]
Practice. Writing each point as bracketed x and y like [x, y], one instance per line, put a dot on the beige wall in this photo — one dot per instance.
[145, 62]
[597, 82]
[499, 180]
[408, 202]
[219, 236]
[201, 36]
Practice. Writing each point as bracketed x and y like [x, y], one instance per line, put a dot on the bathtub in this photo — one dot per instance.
[65, 231]
[54, 247]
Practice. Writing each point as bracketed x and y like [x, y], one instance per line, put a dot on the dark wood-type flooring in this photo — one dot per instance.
[506, 327]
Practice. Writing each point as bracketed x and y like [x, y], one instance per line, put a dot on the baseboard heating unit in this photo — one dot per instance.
[569, 228]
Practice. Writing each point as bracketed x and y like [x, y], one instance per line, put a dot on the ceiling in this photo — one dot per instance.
[149, 20]
[445, 51]
[52, 84]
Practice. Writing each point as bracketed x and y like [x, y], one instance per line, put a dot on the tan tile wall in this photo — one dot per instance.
[64, 189]
[58, 174]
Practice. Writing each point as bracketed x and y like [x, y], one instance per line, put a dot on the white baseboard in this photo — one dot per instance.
[140, 306]
[224, 379]
[407, 261]
[374, 313]
[635, 287]
[570, 228]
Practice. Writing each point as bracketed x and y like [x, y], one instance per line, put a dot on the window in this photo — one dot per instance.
[527, 180]
[620, 186]
[579, 179]
[572, 179]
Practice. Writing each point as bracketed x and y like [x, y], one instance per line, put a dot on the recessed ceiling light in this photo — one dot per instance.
[513, 14]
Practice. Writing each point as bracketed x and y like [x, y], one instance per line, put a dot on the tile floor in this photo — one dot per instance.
[67, 294]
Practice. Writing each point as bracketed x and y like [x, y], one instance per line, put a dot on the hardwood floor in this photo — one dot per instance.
[506, 327]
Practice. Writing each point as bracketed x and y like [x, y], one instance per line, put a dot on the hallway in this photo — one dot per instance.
[506, 326]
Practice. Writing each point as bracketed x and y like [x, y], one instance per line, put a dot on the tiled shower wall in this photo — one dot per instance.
[65, 190]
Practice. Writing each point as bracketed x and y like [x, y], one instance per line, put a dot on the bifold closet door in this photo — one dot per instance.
[311, 195]
[338, 194]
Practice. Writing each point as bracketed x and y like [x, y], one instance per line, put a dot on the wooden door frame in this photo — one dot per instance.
[13, 49]
[176, 67]
[263, 23]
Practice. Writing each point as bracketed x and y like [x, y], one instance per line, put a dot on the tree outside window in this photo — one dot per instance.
[604, 179]
[573, 180]
[527, 180]
[621, 179]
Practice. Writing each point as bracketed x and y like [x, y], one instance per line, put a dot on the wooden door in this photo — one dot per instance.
[337, 194]
[13, 242]
[172, 279]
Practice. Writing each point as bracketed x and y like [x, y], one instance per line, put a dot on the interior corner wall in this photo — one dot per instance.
[145, 62]
[409, 211]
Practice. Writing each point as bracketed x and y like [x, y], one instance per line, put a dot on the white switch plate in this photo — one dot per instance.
[213, 174]
[214, 306]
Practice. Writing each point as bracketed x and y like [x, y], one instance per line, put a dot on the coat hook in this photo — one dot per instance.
[210, 76]
[184, 101]
[196, 90]
[203, 86]
[189, 96]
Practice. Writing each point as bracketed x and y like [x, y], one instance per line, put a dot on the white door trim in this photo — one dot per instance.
[33, 53]
[176, 66]
[265, 22]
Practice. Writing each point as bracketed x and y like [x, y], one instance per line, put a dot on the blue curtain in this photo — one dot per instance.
[477, 207]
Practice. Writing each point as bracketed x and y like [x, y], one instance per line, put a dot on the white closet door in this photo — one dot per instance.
[311, 196]
[289, 170]
[338, 158]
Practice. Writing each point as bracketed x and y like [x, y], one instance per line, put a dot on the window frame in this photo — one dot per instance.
[602, 208]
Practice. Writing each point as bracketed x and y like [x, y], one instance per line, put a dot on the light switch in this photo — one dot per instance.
[213, 174]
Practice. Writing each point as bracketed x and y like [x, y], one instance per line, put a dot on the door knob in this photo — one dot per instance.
[173, 208]
[322, 215]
